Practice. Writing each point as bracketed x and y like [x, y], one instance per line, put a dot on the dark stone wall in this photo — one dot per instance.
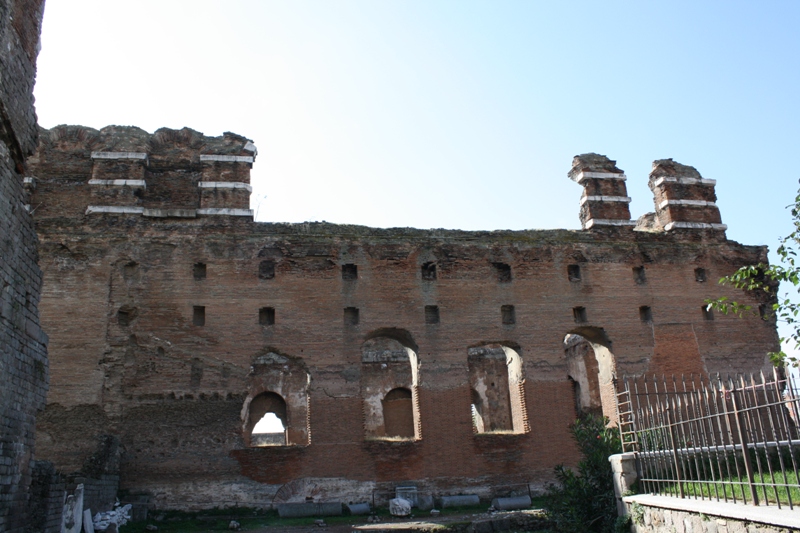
[23, 352]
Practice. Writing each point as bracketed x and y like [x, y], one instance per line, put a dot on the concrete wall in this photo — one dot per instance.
[23, 354]
[130, 357]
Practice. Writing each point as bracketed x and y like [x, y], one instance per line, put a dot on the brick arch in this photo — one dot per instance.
[497, 386]
[284, 376]
[593, 368]
[389, 363]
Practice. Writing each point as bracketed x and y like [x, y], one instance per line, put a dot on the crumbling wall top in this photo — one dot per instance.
[592, 162]
[670, 168]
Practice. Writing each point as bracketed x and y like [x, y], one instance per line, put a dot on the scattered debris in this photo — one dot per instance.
[435, 512]
[320, 523]
[151, 527]
[234, 525]
[107, 520]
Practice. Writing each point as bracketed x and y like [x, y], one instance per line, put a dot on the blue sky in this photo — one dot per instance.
[454, 114]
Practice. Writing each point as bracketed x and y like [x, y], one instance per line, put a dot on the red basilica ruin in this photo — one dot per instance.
[452, 362]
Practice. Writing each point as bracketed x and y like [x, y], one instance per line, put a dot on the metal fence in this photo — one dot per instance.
[725, 439]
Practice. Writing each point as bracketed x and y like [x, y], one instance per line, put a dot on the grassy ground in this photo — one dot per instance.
[726, 488]
[218, 519]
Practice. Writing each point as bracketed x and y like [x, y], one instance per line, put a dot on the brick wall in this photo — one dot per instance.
[129, 358]
[23, 356]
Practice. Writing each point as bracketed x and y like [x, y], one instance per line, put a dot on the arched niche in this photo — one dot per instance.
[265, 410]
[389, 386]
[592, 369]
[277, 384]
[497, 388]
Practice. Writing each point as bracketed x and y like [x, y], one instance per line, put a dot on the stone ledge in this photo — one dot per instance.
[607, 222]
[224, 185]
[764, 514]
[119, 155]
[694, 225]
[684, 181]
[227, 158]
[695, 203]
[581, 177]
[624, 199]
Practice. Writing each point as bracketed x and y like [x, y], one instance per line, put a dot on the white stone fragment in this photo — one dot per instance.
[72, 517]
[119, 516]
[399, 507]
[88, 525]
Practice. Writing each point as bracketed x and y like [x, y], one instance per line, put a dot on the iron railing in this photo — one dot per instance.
[725, 439]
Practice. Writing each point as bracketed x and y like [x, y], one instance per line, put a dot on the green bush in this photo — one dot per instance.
[584, 501]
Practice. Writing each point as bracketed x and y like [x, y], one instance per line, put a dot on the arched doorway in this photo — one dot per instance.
[389, 379]
[497, 389]
[592, 369]
[267, 420]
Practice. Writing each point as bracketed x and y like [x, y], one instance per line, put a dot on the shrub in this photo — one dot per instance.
[584, 501]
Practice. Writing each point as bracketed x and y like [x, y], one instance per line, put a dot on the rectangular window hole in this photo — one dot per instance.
[574, 272]
[646, 314]
[266, 316]
[431, 314]
[708, 312]
[199, 271]
[349, 271]
[700, 275]
[579, 314]
[639, 275]
[266, 270]
[351, 316]
[503, 272]
[508, 314]
[429, 271]
[199, 315]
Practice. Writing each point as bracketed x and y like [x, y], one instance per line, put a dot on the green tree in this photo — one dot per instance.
[767, 278]
[584, 501]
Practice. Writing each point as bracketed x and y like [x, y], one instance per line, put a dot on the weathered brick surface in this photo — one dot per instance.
[129, 357]
[23, 356]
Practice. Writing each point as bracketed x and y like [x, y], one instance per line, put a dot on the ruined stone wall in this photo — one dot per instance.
[23, 356]
[166, 321]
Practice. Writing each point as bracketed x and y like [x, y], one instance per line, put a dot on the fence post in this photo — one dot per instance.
[742, 433]
[676, 462]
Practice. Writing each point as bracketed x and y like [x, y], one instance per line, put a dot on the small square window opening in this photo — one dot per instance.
[351, 316]
[266, 316]
[266, 270]
[503, 272]
[431, 314]
[639, 275]
[700, 275]
[574, 272]
[199, 315]
[508, 315]
[199, 271]
[349, 271]
[579, 314]
[429, 271]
